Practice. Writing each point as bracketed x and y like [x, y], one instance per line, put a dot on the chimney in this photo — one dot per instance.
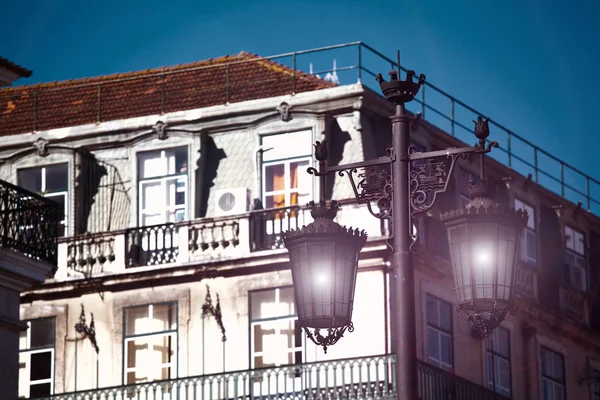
[10, 72]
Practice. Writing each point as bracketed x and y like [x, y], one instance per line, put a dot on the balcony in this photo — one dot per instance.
[28, 223]
[196, 241]
[358, 378]
[573, 304]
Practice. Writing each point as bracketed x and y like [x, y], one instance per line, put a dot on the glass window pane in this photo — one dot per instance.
[275, 201]
[287, 145]
[163, 348]
[179, 157]
[286, 301]
[274, 177]
[40, 389]
[433, 346]
[136, 320]
[262, 304]
[446, 349]
[57, 178]
[164, 315]
[153, 197]
[503, 343]
[42, 332]
[40, 366]
[151, 164]
[445, 316]
[432, 310]
[30, 179]
[298, 176]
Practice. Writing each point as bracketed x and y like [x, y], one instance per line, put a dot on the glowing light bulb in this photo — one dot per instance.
[483, 258]
[321, 278]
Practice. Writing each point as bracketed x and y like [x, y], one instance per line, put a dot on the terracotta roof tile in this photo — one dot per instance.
[189, 86]
[17, 69]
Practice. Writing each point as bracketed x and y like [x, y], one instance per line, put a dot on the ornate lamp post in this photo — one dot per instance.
[324, 255]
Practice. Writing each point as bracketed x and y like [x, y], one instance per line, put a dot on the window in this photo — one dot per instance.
[51, 181]
[497, 359]
[285, 160]
[528, 236]
[575, 258]
[553, 375]
[439, 333]
[163, 186]
[275, 334]
[36, 358]
[150, 343]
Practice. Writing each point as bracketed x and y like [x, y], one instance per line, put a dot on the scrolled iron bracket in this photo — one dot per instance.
[333, 335]
[430, 178]
[486, 321]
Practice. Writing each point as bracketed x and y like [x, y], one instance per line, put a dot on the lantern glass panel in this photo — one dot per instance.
[324, 273]
[484, 243]
[460, 253]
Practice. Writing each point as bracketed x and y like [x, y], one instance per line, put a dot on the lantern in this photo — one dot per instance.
[484, 247]
[324, 263]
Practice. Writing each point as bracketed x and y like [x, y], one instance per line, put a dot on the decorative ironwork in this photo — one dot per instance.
[333, 335]
[429, 179]
[485, 322]
[208, 309]
[88, 332]
[399, 91]
[359, 378]
[152, 245]
[29, 223]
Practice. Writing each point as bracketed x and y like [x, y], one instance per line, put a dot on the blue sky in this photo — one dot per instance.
[528, 64]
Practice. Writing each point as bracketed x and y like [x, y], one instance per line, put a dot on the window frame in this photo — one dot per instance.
[491, 351]
[174, 363]
[163, 180]
[551, 379]
[576, 254]
[523, 256]
[43, 349]
[52, 195]
[441, 331]
[252, 322]
[286, 161]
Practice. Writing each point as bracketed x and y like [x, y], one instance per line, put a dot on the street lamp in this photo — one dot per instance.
[483, 237]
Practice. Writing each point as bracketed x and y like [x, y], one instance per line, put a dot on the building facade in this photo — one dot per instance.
[175, 185]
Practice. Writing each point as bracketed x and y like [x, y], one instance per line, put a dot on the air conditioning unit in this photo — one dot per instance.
[231, 201]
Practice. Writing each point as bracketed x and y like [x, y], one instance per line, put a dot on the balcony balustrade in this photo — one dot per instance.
[573, 304]
[28, 223]
[526, 281]
[352, 379]
[200, 240]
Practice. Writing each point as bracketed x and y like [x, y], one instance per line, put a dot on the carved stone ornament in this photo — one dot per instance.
[42, 147]
[160, 128]
[284, 110]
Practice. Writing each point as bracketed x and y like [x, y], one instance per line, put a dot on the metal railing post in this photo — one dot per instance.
[228, 88]
[359, 64]
[35, 111]
[508, 149]
[294, 73]
[162, 94]
[452, 116]
[99, 116]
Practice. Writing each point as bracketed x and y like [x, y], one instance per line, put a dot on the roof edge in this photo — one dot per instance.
[13, 67]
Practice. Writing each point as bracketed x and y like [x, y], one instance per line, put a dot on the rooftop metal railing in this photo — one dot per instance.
[358, 62]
